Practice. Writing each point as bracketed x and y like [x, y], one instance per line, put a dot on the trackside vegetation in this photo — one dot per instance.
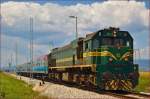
[144, 82]
[12, 88]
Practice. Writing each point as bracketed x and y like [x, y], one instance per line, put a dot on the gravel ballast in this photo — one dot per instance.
[58, 91]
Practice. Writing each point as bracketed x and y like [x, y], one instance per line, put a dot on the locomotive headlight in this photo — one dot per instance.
[107, 75]
[126, 59]
[110, 59]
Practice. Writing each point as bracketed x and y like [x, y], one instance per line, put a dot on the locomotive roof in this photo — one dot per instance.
[61, 48]
[91, 35]
[66, 46]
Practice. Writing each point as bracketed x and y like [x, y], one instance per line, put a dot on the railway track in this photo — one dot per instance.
[119, 94]
[129, 95]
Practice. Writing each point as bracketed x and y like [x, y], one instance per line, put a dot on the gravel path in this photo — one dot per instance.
[62, 92]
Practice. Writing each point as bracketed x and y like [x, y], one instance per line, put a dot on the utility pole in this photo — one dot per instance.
[149, 34]
[0, 50]
[10, 63]
[139, 53]
[31, 45]
[50, 46]
[16, 55]
[0, 40]
[76, 18]
[12, 60]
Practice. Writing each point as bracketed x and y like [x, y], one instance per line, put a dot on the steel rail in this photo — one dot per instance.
[118, 94]
[130, 95]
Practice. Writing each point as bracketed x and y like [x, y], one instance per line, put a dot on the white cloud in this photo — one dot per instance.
[52, 22]
[51, 17]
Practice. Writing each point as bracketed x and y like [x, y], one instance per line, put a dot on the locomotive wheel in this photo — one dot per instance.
[102, 85]
[60, 76]
[78, 79]
[70, 77]
[87, 81]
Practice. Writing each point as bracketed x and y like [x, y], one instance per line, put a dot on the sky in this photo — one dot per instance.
[52, 26]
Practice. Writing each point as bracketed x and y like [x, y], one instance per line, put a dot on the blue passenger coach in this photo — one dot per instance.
[37, 69]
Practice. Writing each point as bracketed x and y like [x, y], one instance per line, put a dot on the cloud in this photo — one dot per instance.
[51, 22]
[49, 17]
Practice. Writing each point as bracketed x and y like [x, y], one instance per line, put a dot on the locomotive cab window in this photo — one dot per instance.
[107, 41]
[115, 42]
[118, 42]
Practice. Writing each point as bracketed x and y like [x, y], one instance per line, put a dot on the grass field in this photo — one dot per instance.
[11, 88]
[144, 82]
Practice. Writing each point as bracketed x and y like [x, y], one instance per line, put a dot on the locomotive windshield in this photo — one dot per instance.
[115, 42]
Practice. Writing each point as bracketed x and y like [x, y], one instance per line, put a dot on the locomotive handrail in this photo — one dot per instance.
[74, 66]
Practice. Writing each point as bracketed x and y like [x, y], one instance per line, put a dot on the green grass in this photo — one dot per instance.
[11, 88]
[144, 82]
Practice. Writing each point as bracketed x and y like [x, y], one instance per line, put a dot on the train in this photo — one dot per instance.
[103, 59]
[39, 68]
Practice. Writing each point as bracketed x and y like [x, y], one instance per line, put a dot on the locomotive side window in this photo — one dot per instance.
[86, 46]
[95, 43]
[128, 43]
[100, 33]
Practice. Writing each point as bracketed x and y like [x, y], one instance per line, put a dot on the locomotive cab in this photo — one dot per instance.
[119, 49]
[112, 52]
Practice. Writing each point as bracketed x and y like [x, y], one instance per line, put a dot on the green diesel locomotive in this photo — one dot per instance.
[103, 59]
